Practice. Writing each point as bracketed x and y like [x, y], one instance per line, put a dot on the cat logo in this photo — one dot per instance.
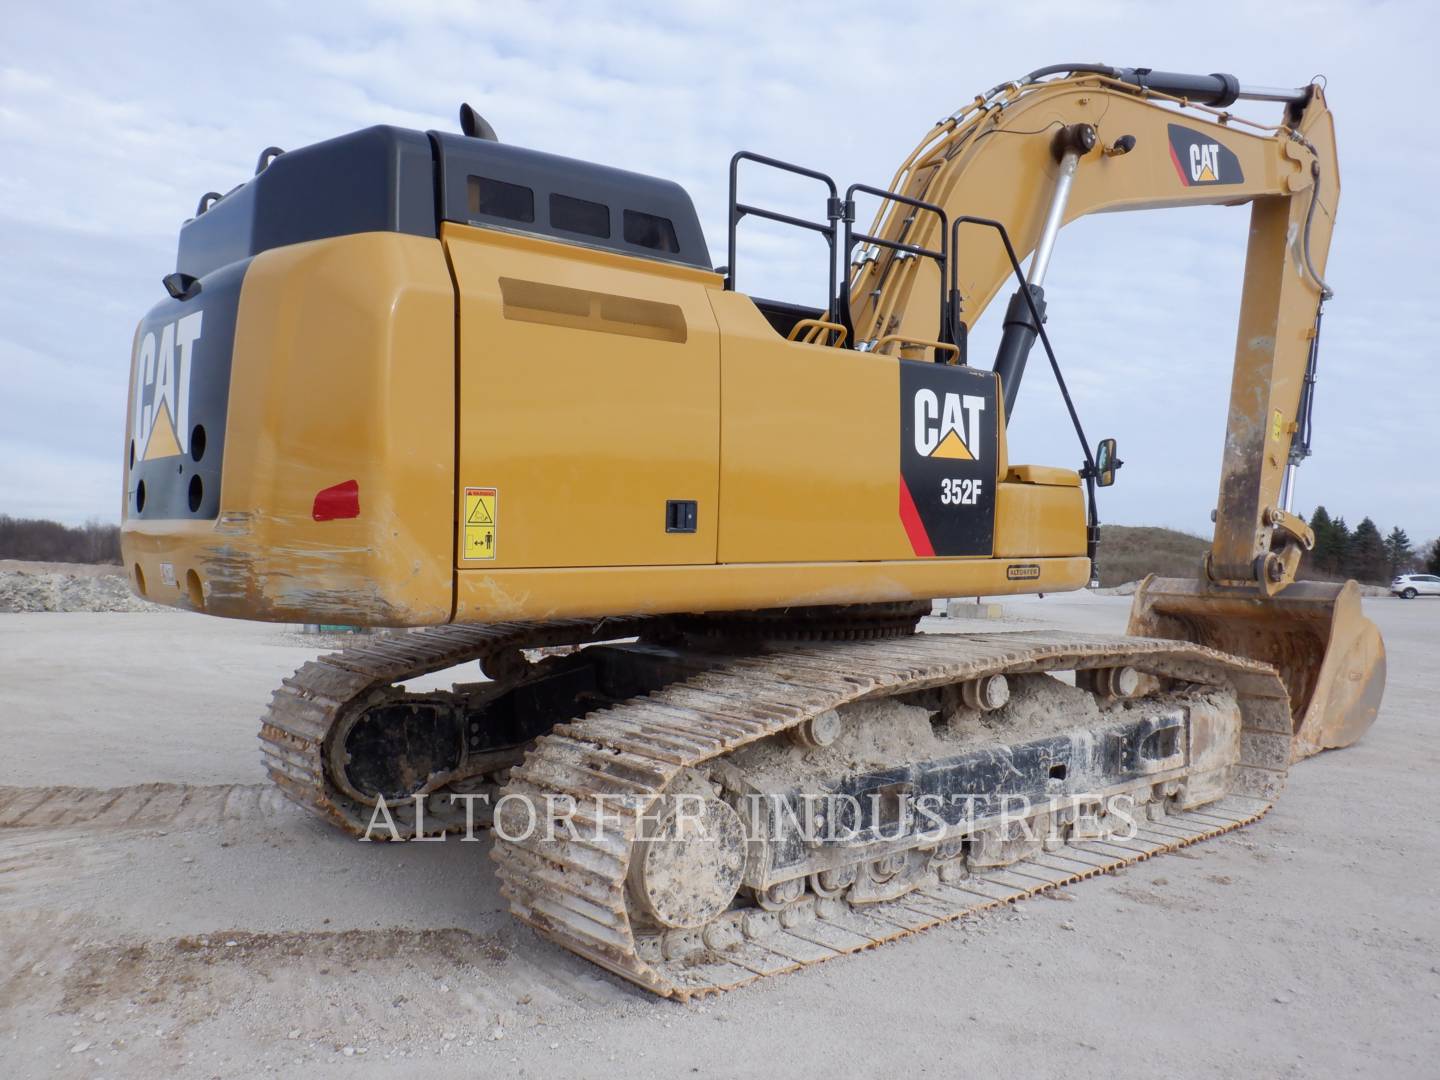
[1204, 162]
[1200, 160]
[949, 444]
[160, 412]
[948, 427]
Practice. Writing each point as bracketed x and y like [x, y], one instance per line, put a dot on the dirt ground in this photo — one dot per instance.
[186, 922]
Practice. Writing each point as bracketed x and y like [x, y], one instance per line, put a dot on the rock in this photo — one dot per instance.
[61, 591]
[970, 609]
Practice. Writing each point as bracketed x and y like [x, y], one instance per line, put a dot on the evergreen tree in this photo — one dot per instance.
[1399, 555]
[1432, 558]
[1325, 558]
[1367, 553]
[1340, 532]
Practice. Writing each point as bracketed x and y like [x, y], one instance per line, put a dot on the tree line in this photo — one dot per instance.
[1363, 553]
[1340, 552]
[37, 540]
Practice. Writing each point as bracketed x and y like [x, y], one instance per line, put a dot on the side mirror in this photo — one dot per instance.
[1106, 463]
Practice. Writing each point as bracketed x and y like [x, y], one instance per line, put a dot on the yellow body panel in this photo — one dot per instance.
[1043, 474]
[1039, 519]
[811, 437]
[523, 471]
[343, 369]
[587, 592]
[589, 388]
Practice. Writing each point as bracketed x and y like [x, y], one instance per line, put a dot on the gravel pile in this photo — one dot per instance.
[22, 590]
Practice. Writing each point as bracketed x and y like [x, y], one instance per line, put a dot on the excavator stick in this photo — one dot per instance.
[1328, 654]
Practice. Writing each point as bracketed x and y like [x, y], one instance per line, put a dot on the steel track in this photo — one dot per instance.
[573, 890]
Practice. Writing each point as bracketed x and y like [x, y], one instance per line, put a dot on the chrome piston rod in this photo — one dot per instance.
[1021, 329]
[1054, 218]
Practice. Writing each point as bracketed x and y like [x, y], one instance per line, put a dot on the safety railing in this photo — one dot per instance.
[941, 257]
[835, 211]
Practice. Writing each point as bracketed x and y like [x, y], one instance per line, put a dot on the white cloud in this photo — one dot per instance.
[109, 142]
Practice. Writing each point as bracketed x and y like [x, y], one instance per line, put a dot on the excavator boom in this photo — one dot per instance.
[1041, 152]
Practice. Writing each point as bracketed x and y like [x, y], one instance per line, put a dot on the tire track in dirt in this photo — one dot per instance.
[177, 806]
[299, 989]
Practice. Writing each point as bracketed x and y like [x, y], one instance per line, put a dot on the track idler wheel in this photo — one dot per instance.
[688, 869]
[394, 747]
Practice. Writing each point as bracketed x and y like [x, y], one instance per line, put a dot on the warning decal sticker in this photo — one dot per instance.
[481, 515]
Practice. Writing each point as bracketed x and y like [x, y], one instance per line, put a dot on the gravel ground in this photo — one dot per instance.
[26, 586]
[220, 933]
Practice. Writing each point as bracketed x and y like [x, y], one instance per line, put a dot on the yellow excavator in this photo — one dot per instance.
[501, 402]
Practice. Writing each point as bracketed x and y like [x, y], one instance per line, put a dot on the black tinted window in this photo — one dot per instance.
[651, 231]
[496, 198]
[580, 216]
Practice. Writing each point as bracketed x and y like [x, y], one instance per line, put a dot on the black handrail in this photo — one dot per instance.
[1089, 473]
[941, 257]
[834, 209]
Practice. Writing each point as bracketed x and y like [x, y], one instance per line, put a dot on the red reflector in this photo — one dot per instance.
[340, 501]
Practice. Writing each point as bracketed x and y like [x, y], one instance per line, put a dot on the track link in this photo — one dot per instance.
[311, 702]
[573, 890]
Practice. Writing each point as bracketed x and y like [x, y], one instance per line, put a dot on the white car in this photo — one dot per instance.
[1412, 585]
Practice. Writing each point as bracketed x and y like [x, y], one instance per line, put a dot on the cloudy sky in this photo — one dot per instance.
[114, 117]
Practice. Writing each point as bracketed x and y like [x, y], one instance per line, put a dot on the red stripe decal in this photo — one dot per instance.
[1184, 177]
[914, 527]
